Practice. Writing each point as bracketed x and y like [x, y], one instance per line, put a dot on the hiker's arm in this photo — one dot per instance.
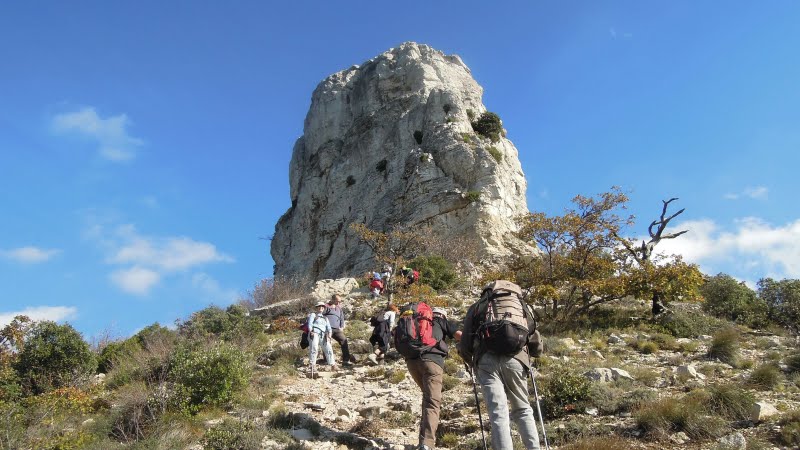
[465, 344]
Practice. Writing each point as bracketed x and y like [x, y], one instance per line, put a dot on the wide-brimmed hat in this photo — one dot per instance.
[440, 311]
[320, 303]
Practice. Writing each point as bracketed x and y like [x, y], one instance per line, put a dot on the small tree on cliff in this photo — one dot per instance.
[393, 248]
[585, 263]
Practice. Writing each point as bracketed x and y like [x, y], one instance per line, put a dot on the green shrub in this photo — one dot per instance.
[10, 388]
[53, 356]
[725, 346]
[790, 428]
[727, 298]
[683, 324]
[473, 196]
[209, 376]
[765, 377]
[496, 154]
[564, 392]
[449, 382]
[470, 115]
[728, 400]
[646, 347]
[489, 125]
[231, 435]
[663, 417]
[116, 351]
[466, 138]
[136, 412]
[793, 363]
[228, 324]
[435, 271]
[783, 301]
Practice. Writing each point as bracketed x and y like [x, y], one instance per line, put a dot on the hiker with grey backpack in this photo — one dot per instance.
[499, 338]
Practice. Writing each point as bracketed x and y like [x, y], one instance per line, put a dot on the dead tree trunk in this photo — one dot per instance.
[643, 254]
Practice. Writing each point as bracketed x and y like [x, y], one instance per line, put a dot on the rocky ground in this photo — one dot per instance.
[378, 407]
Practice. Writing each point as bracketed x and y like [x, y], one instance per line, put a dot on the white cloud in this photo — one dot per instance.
[29, 255]
[752, 249]
[115, 144]
[755, 193]
[135, 280]
[146, 260]
[168, 254]
[54, 313]
[212, 291]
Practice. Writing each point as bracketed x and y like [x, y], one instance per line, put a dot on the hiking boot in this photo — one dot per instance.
[373, 359]
[334, 368]
[347, 364]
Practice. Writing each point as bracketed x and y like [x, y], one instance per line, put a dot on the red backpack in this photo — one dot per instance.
[413, 336]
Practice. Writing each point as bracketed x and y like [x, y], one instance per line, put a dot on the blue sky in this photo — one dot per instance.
[144, 146]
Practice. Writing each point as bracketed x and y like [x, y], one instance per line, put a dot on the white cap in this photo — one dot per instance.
[440, 311]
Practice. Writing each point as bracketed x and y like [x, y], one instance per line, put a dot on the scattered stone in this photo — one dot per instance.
[621, 374]
[679, 438]
[597, 354]
[370, 412]
[344, 412]
[689, 372]
[567, 343]
[314, 406]
[213, 422]
[592, 411]
[761, 410]
[100, 378]
[735, 441]
[600, 374]
[614, 339]
[302, 434]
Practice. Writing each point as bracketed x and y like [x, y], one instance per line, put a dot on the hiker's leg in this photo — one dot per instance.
[339, 336]
[313, 348]
[327, 349]
[490, 378]
[432, 375]
[516, 382]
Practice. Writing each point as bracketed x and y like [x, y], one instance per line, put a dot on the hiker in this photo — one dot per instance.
[499, 338]
[421, 340]
[376, 287]
[335, 316]
[319, 330]
[386, 273]
[382, 323]
[410, 274]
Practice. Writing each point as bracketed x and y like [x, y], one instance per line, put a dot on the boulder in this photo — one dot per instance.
[761, 410]
[689, 372]
[324, 289]
[735, 441]
[600, 374]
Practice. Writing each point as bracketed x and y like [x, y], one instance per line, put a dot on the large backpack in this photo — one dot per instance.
[506, 322]
[304, 341]
[413, 336]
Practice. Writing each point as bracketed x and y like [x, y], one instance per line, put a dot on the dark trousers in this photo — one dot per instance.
[338, 336]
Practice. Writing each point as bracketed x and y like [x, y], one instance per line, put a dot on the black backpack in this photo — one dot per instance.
[506, 323]
[377, 319]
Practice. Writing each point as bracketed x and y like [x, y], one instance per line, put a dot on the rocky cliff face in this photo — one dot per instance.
[390, 143]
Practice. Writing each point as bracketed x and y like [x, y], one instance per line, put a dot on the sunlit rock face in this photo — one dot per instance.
[389, 143]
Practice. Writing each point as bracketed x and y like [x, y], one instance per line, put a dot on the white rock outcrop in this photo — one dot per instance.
[390, 143]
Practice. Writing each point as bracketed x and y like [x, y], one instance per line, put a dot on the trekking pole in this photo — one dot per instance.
[477, 403]
[538, 407]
